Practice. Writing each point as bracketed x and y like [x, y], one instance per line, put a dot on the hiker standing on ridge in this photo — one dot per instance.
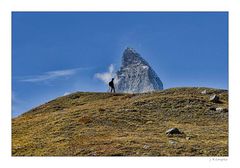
[111, 84]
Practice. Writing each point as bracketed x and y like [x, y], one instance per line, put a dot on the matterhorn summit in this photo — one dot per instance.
[136, 75]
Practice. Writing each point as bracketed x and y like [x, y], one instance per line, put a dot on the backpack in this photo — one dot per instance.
[111, 84]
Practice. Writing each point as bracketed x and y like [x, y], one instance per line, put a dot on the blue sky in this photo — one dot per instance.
[58, 53]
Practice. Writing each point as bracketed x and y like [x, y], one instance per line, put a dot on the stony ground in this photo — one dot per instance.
[105, 124]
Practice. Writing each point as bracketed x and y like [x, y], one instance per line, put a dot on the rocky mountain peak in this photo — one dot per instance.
[131, 57]
[136, 75]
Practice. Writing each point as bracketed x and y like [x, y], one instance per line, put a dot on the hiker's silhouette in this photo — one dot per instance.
[111, 84]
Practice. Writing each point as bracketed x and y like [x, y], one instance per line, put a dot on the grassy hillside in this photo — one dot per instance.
[105, 124]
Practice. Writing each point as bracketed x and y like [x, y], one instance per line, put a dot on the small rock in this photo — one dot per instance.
[214, 99]
[204, 92]
[188, 106]
[146, 146]
[188, 138]
[221, 109]
[173, 131]
[172, 142]
[149, 122]
[94, 154]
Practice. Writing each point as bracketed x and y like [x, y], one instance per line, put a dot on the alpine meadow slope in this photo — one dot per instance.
[122, 124]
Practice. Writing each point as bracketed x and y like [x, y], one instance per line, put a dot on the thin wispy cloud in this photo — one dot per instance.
[51, 75]
[106, 76]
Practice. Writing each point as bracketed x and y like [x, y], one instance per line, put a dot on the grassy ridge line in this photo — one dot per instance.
[89, 124]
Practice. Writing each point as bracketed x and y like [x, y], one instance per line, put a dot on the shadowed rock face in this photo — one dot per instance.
[136, 75]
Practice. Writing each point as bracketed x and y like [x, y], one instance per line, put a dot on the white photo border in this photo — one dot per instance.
[230, 6]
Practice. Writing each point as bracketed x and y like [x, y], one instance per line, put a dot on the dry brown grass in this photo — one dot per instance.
[105, 124]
